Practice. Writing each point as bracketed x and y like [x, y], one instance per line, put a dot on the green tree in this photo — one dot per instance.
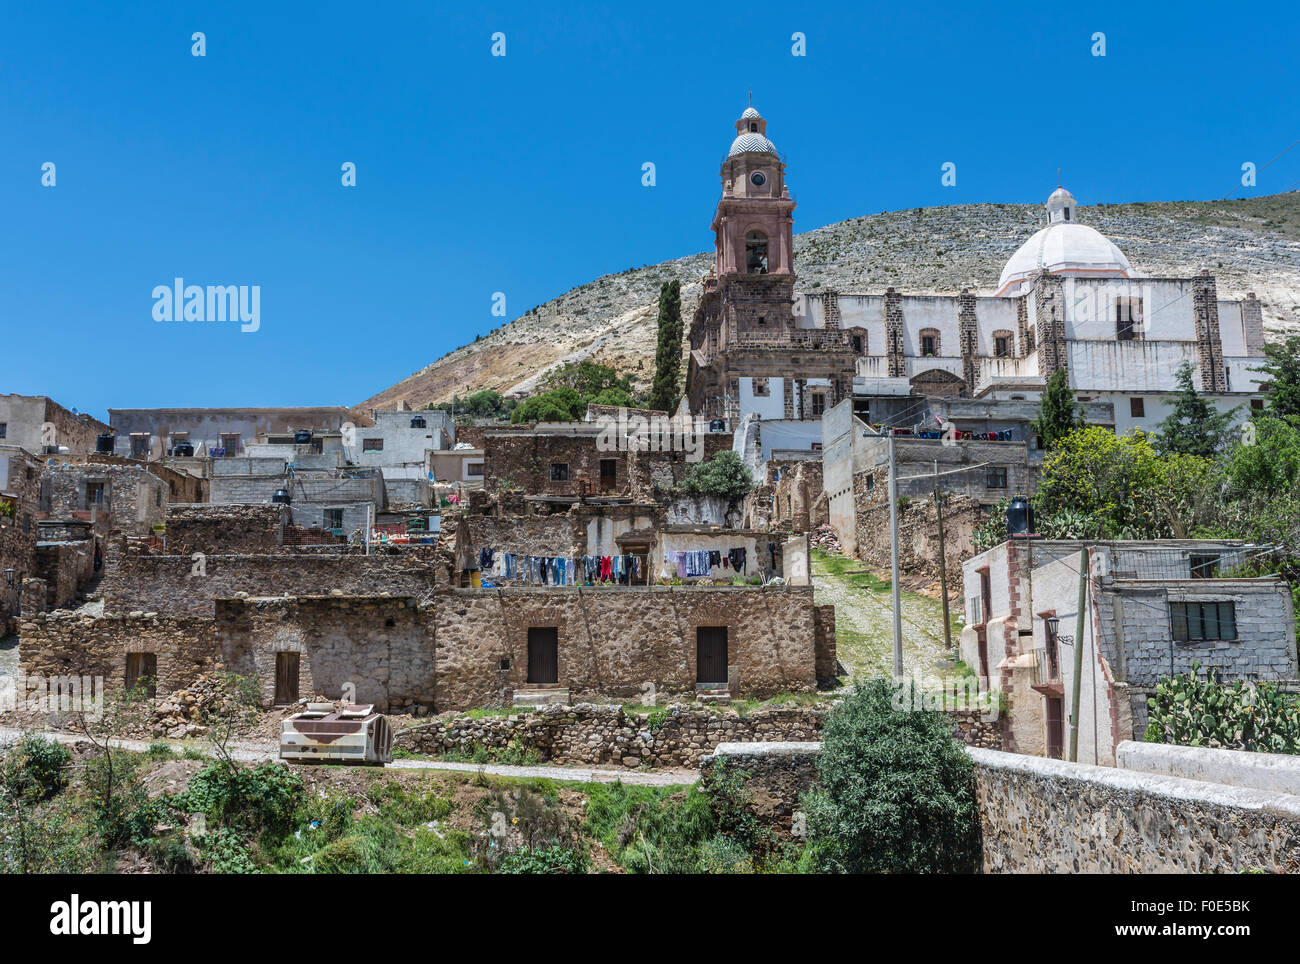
[1096, 484]
[723, 475]
[557, 405]
[1194, 427]
[1058, 413]
[895, 793]
[665, 390]
[1281, 373]
[589, 379]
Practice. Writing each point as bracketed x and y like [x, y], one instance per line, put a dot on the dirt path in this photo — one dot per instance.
[250, 752]
[864, 635]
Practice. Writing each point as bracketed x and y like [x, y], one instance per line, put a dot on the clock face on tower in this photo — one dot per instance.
[758, 179]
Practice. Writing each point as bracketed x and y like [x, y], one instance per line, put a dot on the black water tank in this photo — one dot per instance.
[419, 422]
[282, 496]
[104, 444]
[302, 437]
[1020, 517]
[718, 425]
[183, 449]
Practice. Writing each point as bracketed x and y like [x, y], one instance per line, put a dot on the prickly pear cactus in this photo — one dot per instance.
[1190, 711]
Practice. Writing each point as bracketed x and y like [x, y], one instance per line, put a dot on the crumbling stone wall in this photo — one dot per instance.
[613, 641]
[20, 485]
[918, 531]
[65, 567]
[134, 500]
[65, 643]
[795, 486]
[775, 774]
[183, 584]
[589, 733]
[375, 648]
[226, 529]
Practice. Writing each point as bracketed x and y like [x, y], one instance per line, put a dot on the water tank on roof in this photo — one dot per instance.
[184, 449]
[718, 425]
[104, 443]
[1020, 517]
[282, 497]
[419, 422]
[302, 437]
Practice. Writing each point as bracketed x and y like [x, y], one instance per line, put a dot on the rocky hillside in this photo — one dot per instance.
[1251, 245]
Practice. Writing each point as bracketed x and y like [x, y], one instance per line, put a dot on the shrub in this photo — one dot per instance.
[255, 798]
[37, 768]
[545, 860]
[895, 794]
[723, 475]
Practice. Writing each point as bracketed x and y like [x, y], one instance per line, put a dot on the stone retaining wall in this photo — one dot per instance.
[589, 733]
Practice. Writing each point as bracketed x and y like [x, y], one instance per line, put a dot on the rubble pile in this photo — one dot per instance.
[824, 537]
[180, 714]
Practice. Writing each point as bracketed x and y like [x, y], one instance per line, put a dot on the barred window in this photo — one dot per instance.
[1194, 621]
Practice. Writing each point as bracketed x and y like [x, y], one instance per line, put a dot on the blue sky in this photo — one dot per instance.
[522, 174]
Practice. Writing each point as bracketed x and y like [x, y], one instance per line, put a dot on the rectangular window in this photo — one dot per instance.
[1137, 408]
[372, 445]
[474, 469]
[142, 673]
[1002, 346]
[230, 445]
[761, 389]
[1204, 566]
[559, 471]
[1195, 621]
[927, 345]
[818, 403]
[996, 477]
[1256, 405]
[333, 518]
[1128, 318]
[140, 446]
[4, 429]
[94, 493]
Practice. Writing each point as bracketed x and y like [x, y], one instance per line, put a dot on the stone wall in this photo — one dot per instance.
[613, 641]
[375, 648]
[918, 530]
[775, 775]
[1048, 816]
[65, 567]
[20, 485]
[134, 500]
[181, 584]
[58, 644]
[225, 529]
[593, 734]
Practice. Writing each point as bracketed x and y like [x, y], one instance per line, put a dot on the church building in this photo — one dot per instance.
[1068, 298]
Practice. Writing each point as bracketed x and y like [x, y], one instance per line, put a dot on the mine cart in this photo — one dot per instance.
[323, 733]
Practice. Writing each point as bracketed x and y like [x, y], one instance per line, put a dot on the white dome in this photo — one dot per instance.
[1066, 248]
[752, 143]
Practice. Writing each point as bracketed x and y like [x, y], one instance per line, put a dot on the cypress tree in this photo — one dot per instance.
[1194, 427]
[1058, 413]
[666, 390]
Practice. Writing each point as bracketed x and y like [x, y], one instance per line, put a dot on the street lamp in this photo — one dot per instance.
[9, 576]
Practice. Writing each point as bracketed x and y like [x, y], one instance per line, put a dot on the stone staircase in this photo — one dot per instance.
[541, 697]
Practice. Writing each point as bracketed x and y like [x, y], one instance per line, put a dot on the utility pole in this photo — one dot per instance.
[1084, 565]
[893, 558]
[943, 566]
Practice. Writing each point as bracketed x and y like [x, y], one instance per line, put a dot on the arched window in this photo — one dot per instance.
[756, 252]
[753, 127]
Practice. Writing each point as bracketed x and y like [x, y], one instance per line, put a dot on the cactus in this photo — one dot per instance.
[1190, 711]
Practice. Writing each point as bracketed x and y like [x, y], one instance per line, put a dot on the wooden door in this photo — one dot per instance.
[1055, 711]
[711, 654]
[608, 475]
[543, 655]
[286, 678]
[984, 653]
